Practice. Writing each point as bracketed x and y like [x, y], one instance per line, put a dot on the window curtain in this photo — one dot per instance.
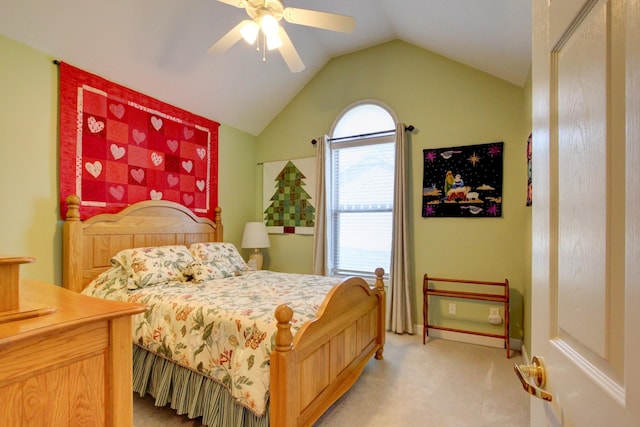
[399, 318]
[320, 237]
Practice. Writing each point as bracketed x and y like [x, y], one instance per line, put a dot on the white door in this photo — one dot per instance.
[586, 211]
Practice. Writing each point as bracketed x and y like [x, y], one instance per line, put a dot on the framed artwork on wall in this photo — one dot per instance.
[464, 181]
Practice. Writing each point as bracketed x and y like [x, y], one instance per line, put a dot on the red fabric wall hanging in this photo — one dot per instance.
[118, 147]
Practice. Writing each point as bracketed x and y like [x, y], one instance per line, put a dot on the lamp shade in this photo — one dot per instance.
[255, 236]
[273, 41]
[269, 25]
[250, 31]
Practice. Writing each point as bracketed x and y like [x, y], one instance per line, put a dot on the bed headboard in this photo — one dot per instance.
[87, 246]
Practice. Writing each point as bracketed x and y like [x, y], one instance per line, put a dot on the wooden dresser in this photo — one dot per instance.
[67, 362]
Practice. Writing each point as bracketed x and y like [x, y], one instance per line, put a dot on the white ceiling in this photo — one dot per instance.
[159, 47]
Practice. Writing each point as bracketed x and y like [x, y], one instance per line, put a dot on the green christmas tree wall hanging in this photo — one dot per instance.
[290, 205]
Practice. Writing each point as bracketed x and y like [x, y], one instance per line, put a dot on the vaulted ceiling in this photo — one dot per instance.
[160, 47]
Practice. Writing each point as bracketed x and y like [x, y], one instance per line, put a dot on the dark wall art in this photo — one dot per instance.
[463, 181]
[529, 172]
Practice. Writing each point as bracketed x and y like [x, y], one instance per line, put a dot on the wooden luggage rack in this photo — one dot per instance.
[502, 298]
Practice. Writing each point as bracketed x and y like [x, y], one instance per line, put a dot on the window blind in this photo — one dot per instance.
[362, 205]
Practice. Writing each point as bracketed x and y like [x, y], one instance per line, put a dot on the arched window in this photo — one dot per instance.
[360, 193]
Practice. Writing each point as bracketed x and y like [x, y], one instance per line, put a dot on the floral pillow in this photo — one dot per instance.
[203, 271]
[151, 265]
[110, 284]
[219, 250]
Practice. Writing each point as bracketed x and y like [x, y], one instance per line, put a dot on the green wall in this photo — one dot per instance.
[28, 160]
[450, 104]
[31, 222]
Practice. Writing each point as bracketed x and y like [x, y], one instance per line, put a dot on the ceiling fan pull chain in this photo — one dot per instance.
[264, 47]
[258, 44]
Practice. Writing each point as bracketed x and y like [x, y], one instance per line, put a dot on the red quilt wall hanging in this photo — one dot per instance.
[118, 147]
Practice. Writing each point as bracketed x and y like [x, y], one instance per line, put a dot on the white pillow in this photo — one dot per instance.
[211, 251]
[151, 265]
[110, 284]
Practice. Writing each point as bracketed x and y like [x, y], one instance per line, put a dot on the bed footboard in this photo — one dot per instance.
[327, 356]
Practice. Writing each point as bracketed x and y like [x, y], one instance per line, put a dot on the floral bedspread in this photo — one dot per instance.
[225, 328]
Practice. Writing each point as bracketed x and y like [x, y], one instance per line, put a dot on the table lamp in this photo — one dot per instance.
[255, 237]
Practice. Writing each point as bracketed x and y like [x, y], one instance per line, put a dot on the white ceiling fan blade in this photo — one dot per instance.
[289, 52]
[229, 39]
[314, 18]
[236, 3]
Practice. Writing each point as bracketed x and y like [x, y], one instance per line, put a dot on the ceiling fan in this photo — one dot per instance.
[265, 29]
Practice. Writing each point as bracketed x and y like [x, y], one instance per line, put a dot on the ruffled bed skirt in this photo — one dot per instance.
[189, 392]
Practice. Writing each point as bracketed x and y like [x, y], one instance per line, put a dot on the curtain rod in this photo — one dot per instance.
[410, 128]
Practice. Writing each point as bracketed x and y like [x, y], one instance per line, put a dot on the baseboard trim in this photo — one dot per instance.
[514, 343]
[525, 355]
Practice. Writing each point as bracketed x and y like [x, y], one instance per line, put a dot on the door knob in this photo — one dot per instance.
[539, 375]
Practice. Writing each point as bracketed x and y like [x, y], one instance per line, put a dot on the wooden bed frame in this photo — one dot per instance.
[310, 371]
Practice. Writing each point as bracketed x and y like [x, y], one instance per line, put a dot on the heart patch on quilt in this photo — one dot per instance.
[173, 145]
[117, 152]
[156, 122]
[200, 184]
[138, 175]
[94, 168]
[155, 195]
[117, 110]
[188, 133]
[201, 152]
[156, 159]
[95, 126]
[117, 192]
[138, 136]
[187, 198]
[187, 165]
[172, 180]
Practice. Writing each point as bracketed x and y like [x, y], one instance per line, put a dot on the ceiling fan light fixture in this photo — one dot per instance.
[265, 31]
[250, 32]
[273, 41]
[269, 25]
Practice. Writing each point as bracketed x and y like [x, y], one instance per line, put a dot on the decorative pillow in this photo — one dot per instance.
[151, 265]
[216, 250]
[203, 271]
[110, 284]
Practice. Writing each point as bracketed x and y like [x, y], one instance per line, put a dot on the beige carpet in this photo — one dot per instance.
[443, 383]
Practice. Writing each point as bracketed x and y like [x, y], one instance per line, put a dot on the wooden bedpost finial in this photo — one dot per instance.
[379, 275]
[217, 219]
[284, 337]
[381, 312]
[73, 208]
